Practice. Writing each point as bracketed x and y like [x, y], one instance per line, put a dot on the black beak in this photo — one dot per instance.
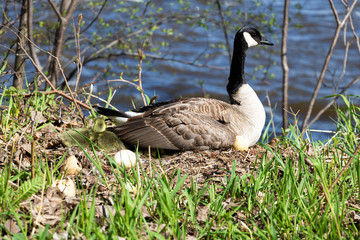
[266, 42]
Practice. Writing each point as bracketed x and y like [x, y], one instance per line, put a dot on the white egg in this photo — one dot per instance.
[66, 186]
[125, 158]
[71, 166]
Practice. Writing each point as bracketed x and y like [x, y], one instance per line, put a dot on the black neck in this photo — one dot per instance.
[237, 76]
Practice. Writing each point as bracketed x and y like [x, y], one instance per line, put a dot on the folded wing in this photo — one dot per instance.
[182, 125]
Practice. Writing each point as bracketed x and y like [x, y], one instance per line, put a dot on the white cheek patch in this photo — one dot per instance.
[249, 40]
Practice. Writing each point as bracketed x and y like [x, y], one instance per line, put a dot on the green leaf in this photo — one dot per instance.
[27, 189]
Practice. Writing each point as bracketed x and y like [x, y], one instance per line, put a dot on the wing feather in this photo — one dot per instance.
[188, 124]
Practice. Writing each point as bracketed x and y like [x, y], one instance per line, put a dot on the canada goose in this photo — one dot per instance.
[202, 123]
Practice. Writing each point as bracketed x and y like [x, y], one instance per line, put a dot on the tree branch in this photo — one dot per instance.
[79, 62]
[284, 63]
[224, 29]
[323, 110]
[327, 60]
[94, 20]
[354, 33]
[151, 56]
[57, 12]
[141, 55]
[68, 9]
[7, 22]
[19, 66]
[55, 91]
[31, 35]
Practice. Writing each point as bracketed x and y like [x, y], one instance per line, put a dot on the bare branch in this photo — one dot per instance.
[31, 35]
[324, 109]
[96, 17]
[141, 55]
[68, 9]
[224, 29]
[159, 22]
[284, 63]
[151, 56]
[7, 22]
[354, 33]
[271, 114]
[57, 12]
[344, 62]
[79, 61]
[348, 12]
[327, 60]
[114, 42]
[55, 91]
[123, 80]
[333, 9]
[20, 58]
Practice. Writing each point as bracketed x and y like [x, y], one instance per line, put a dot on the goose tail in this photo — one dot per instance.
[116, 116]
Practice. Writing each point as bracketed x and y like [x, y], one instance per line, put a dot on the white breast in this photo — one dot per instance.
[252, 112]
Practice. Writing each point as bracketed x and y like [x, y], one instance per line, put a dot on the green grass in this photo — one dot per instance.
[282, 197]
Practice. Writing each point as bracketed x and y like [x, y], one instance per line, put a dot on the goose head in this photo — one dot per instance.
[99, 125]
[251, 37]
[244, 38]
